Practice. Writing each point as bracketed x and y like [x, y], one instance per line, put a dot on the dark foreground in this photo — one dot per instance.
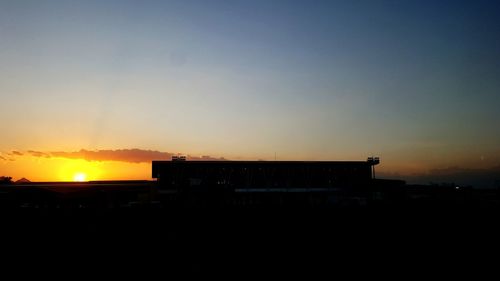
[156, 237]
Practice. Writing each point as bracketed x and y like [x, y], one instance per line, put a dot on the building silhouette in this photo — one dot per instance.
[268, 183]
[270, 175]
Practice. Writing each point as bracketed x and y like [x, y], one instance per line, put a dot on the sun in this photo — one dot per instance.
[79, 170]
[79, 177]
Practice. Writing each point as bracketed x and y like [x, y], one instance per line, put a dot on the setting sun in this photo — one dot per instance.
[79, 177]
[79, 170]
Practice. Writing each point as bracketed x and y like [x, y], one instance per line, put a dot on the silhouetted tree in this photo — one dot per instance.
[5, 180]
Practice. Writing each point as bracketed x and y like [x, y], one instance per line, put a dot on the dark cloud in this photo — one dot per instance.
[17, 153]
[3, 158]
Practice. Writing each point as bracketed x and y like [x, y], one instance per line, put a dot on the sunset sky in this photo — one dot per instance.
[104, 87]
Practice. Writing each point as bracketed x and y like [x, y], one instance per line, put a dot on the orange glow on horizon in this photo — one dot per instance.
[49, 168]
[39, 169]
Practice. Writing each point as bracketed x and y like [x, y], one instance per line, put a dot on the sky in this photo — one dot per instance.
[413, 82]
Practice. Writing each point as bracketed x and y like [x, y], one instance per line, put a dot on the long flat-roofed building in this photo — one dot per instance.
[179, 173]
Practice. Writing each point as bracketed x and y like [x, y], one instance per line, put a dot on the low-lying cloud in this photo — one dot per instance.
[38, 154]
[479, 178]
[134, 155]
[123, 155]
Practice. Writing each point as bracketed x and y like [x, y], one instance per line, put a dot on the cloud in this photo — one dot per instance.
[463, 176]
[123, 155]
[204, 158]
[6, 156]
[38, 154]
[480, 178]
[17, 153]
[134, 155]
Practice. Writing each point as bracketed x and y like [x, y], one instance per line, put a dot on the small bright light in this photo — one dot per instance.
[457, 187]
[79, 177]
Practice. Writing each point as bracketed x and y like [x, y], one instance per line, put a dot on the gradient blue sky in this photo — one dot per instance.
[414, 82]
